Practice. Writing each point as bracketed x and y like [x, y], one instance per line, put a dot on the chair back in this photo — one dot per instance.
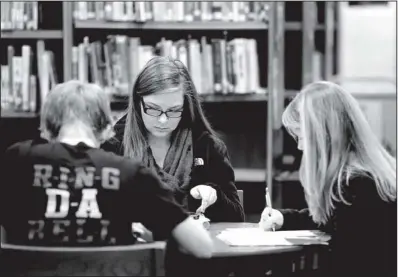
[133, 260]
[240, 194]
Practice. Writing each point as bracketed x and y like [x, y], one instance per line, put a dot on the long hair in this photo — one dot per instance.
[338, 144]
[161, 73]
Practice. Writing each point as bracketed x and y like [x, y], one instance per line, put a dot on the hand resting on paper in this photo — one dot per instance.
[271, 218]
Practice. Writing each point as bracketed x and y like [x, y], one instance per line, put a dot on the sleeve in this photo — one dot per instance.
[297, 220]
[113, 145]
[158, 210]
[220, 176]
[362, 231]
[8, 166]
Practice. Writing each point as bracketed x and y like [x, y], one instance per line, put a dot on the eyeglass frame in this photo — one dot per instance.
[145, 108]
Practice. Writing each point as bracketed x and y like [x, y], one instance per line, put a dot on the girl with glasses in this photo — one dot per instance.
[165, 127]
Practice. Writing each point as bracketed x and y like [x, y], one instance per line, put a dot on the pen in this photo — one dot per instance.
[269, 204]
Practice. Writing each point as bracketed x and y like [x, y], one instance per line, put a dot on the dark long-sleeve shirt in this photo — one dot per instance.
[364, 234]
[216, 172]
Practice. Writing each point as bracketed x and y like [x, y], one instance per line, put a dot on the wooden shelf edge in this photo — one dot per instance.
[298, 26]
[199, 25]
[31, 34]
[236, 97]
[15, 114]
[193, 25]
[220, 98]
[375, 96]
[250, 175]
[247, 97]
[287, 176]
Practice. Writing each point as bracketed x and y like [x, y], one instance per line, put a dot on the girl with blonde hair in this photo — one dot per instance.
[349, 182]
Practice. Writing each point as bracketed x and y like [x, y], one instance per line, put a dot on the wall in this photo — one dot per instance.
[367, 63]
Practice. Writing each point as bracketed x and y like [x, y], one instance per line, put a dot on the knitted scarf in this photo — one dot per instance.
[177, 165]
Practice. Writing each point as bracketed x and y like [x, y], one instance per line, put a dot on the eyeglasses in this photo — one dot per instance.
[158, 113]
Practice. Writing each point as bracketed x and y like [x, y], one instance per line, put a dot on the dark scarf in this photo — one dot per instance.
[177, 165]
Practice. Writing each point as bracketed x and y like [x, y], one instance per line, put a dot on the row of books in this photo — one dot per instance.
[142, 11]
[19, 15]
[20, 81]
[218, 66]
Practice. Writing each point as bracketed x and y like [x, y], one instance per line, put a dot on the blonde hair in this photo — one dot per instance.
[76, 101]
[338, 144]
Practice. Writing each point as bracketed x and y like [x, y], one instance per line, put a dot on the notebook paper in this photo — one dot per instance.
[258, 237]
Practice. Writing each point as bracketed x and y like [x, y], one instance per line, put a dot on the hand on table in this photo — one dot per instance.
[142, 233]
[207, 194]
[271, 218]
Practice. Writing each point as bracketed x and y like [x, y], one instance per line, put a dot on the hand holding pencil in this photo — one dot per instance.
[271, 219]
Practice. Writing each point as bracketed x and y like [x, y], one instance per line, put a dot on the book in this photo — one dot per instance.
[216, 66]
[19, 15]
[177, 11]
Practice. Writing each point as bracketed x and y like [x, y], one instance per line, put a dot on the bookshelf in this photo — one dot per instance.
[264, 29]
[36, 44]
[32, 34]
[99, 24]
[15, 114]
[278, 31]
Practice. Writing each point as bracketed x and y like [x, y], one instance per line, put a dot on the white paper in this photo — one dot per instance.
[258, 237]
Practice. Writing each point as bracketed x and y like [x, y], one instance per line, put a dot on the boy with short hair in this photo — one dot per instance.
[62, 190]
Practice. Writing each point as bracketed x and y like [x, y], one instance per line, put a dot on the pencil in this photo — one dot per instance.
[269, 205]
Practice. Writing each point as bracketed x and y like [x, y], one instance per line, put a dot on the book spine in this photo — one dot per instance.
[10, 59]
[18, 79]
[75, 63]
[5, 80]
[25, 76]
[33, 94]
[217, 67]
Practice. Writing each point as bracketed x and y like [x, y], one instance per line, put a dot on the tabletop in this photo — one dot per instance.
[221, 249]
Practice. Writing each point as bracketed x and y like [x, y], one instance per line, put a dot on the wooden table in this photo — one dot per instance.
[147, 259]
[224, 250]
[243, 261]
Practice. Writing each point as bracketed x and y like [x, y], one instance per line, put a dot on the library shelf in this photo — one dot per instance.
[375, 95]
[243, 97]
[166, 25]
[184, 25]
[31, 34]
[122, 101]
[297, 26]
[16, 114]
[250, 175]
[287, 176]
[233, 97]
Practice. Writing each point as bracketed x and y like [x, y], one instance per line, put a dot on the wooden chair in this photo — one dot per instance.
[134, 260]
[240, 194]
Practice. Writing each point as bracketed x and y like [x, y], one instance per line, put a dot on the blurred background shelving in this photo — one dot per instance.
[294, 43]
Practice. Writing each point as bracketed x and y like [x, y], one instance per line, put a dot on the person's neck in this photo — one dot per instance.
[76, 133]
[159, 141]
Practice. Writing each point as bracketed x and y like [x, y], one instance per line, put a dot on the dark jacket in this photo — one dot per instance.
[216, 172]
[363, 234]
